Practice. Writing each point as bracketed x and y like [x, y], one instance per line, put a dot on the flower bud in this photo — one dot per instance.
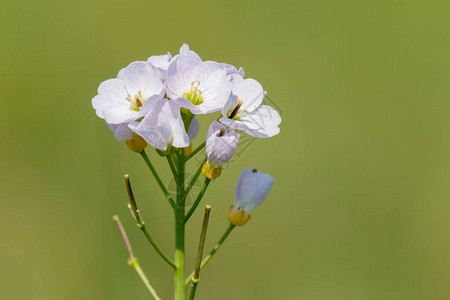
[251, 189]
[211, 172]
[136, 143]
[237, 217]
[221, 142]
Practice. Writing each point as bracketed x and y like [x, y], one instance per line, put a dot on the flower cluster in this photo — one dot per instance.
[157, 102]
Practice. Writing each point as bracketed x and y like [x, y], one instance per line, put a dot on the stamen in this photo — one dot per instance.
[236, 109]
[195, 94]
[136, 102]
[222, 132]
[254, 170]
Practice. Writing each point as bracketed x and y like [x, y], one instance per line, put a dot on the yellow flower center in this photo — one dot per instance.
[195, 94]
[136, 102]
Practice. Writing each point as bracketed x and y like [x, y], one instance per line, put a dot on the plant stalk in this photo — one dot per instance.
[180, 290]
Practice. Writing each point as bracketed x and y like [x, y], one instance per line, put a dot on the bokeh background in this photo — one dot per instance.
[360, 207]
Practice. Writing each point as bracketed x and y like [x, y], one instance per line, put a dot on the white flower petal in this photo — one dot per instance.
[185, 51]
[249, 91]
[262, 122]
[185, 74]
[117, 114]
[114, 90]
[179, 76]
[121, 131]
[140, 76]
[163, 125]
[160, 61]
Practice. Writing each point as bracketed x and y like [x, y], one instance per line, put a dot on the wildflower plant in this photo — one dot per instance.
[158, 102]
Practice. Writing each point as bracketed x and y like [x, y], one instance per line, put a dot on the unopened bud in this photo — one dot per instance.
[210, 172]
[237, 217]
[136, 143]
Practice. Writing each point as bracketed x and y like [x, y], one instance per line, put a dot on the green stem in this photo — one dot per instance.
[197, 201]
[155, 174]
[133, 261]
[172, 168]
[137, 267]
[195, 151]
[201, 246]
[180, 290]
[155, 246]
[194, 179]
[212, 252]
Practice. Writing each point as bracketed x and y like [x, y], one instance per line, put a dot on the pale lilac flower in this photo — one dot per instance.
[121, 131]
[161, 62]
[221, 142]
[251, 189]
[243, 110]
[201, 87]
[162, 127]
[129, 96]
[230, 69]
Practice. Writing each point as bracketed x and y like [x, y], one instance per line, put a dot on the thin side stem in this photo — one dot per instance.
[140, 222]
[140, 272]
[201, 246]
[133, 261]
[212, 252]
[197, 201]
[194, 179]
[155, 174]
[173, 169]
[155, 246]
[202, 145]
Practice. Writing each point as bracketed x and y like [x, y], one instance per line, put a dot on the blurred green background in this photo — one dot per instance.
[360, 207]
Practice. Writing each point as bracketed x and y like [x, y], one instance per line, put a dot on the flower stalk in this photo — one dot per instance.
[133, 261]
[140, 223]
[201, 245]
[158, 180]
[197, 201]
[212, 252]
[180, 290]
[195, 151]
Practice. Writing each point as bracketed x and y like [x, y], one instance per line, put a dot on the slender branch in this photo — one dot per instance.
[201, 245]
[155, 174]
[212, 252]
[195, 151]
[194, 179]
[140, 222]
[155, 246]
[133, 208]
[197, 201]
[173, 169]
[133, 261]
